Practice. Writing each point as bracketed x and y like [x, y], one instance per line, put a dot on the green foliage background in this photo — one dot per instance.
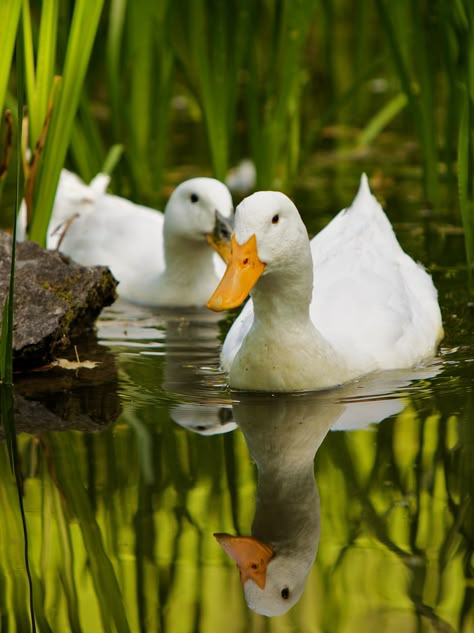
[253, 79]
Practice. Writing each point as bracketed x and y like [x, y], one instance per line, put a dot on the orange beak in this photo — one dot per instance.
[219, 239]
[251, 555]
[242, 273]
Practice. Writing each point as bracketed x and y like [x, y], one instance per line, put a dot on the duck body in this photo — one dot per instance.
[161, 259]
[325, 312]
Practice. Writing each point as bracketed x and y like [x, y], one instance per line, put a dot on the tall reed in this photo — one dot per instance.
[7, 413]
[140, 74]
[210, 40]
[458, 59]
[406, 28]
[275, 89]
[58, 100]
[256, 72]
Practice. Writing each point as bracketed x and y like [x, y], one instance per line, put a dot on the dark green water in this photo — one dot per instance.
[129, 469]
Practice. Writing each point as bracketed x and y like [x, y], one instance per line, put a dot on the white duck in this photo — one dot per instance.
[372, 307]
[159, 259]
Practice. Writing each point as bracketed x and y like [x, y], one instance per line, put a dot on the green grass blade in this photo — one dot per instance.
[39, 78]
[427, 70]
[29, 57]
[114, 62]
[381, 119]
[87, 146]
[6, 341]
[45, 65]
[113, 157]
[9, 18]
[6, 344]
[465, 200]
[81, 38]
[422, 112]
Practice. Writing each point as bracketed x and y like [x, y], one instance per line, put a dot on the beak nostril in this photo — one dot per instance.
[246, 261]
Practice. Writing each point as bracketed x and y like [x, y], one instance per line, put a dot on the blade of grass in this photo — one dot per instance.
[81, 38]
[114, 62]
[45, 64]
[211, 48]
[464, 166]
[112, 158]
[87, 147]
[9, 18]
[275, 89]
[427, 69]
[420, 102]
[6, 342]
[381, 119]
[39, 77]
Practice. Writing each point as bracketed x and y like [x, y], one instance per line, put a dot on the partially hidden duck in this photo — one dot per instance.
[325, 311]
[161, 259]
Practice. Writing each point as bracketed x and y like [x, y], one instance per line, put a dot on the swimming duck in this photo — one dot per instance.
[159, 259]
[325, 311]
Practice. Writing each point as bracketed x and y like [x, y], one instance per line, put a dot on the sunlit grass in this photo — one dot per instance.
[262, 80]
[211, 45]
[64, 104]
[274, 90]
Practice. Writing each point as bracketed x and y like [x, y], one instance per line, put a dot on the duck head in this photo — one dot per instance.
[269, 239]
[272, 581]
[200, 209]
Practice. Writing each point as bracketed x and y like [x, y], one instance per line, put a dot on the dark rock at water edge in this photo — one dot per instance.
[56, 300]
[55, 399]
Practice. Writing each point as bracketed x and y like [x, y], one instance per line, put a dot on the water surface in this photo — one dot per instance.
[131, 467]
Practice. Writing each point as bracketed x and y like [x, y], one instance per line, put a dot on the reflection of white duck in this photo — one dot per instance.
[182, 348]
[372, 308]
[159, 259]
[283, 434]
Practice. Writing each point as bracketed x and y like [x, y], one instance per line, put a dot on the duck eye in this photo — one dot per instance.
[285, 593]
[275, 219]
[194, 197]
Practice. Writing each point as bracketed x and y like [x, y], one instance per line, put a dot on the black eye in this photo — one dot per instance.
[285, 593]
[194, 198]
[275, 219]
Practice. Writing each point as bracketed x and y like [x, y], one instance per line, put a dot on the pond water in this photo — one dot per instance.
[365, 492]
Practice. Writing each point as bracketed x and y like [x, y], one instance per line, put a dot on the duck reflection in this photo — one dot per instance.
[169, 355]
[283, 434]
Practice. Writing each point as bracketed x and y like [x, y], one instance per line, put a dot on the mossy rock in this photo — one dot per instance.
[56, 300]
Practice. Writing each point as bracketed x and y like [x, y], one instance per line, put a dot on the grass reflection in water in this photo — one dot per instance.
[121, 520]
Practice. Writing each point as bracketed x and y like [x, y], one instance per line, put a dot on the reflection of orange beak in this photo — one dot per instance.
[251, 555]
[243, 271]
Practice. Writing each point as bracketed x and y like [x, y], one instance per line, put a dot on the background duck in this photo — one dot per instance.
[324, 312]
[159, 259]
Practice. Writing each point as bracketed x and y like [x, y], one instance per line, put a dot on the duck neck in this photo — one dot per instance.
[287, 507]
[285, 294]
[187, 261]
